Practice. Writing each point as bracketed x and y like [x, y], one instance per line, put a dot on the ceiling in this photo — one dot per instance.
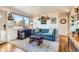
[39, 10]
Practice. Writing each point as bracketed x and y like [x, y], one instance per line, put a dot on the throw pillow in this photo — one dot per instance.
[37, 30]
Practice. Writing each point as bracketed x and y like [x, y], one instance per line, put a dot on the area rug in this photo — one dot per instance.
[46, 46]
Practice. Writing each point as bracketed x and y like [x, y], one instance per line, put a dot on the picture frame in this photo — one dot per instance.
[53, 20]
[43, 21]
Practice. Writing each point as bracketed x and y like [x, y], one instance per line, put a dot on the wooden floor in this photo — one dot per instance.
[63, 43]
[63, 46]
[7, 47]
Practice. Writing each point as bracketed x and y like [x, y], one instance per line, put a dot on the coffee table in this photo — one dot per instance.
[36, 38]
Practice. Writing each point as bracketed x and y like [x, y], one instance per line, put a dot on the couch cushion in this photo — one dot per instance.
[37, 33]
[44, 30]
[46, 34]
[50, 31]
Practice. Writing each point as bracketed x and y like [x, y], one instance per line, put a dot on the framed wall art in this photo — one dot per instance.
[43, 21]
[53, 20]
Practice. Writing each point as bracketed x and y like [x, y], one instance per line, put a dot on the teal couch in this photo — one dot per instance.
[44, 33]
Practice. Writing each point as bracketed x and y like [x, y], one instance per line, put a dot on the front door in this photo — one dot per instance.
[2, 22]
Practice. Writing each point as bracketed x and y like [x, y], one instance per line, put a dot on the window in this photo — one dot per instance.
[17, 18]
[26, 19]
[20, 20]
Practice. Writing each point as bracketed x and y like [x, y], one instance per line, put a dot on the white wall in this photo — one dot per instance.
[37, 23]
[62, 28]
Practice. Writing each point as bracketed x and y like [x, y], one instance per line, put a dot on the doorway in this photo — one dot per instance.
[2, 23]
